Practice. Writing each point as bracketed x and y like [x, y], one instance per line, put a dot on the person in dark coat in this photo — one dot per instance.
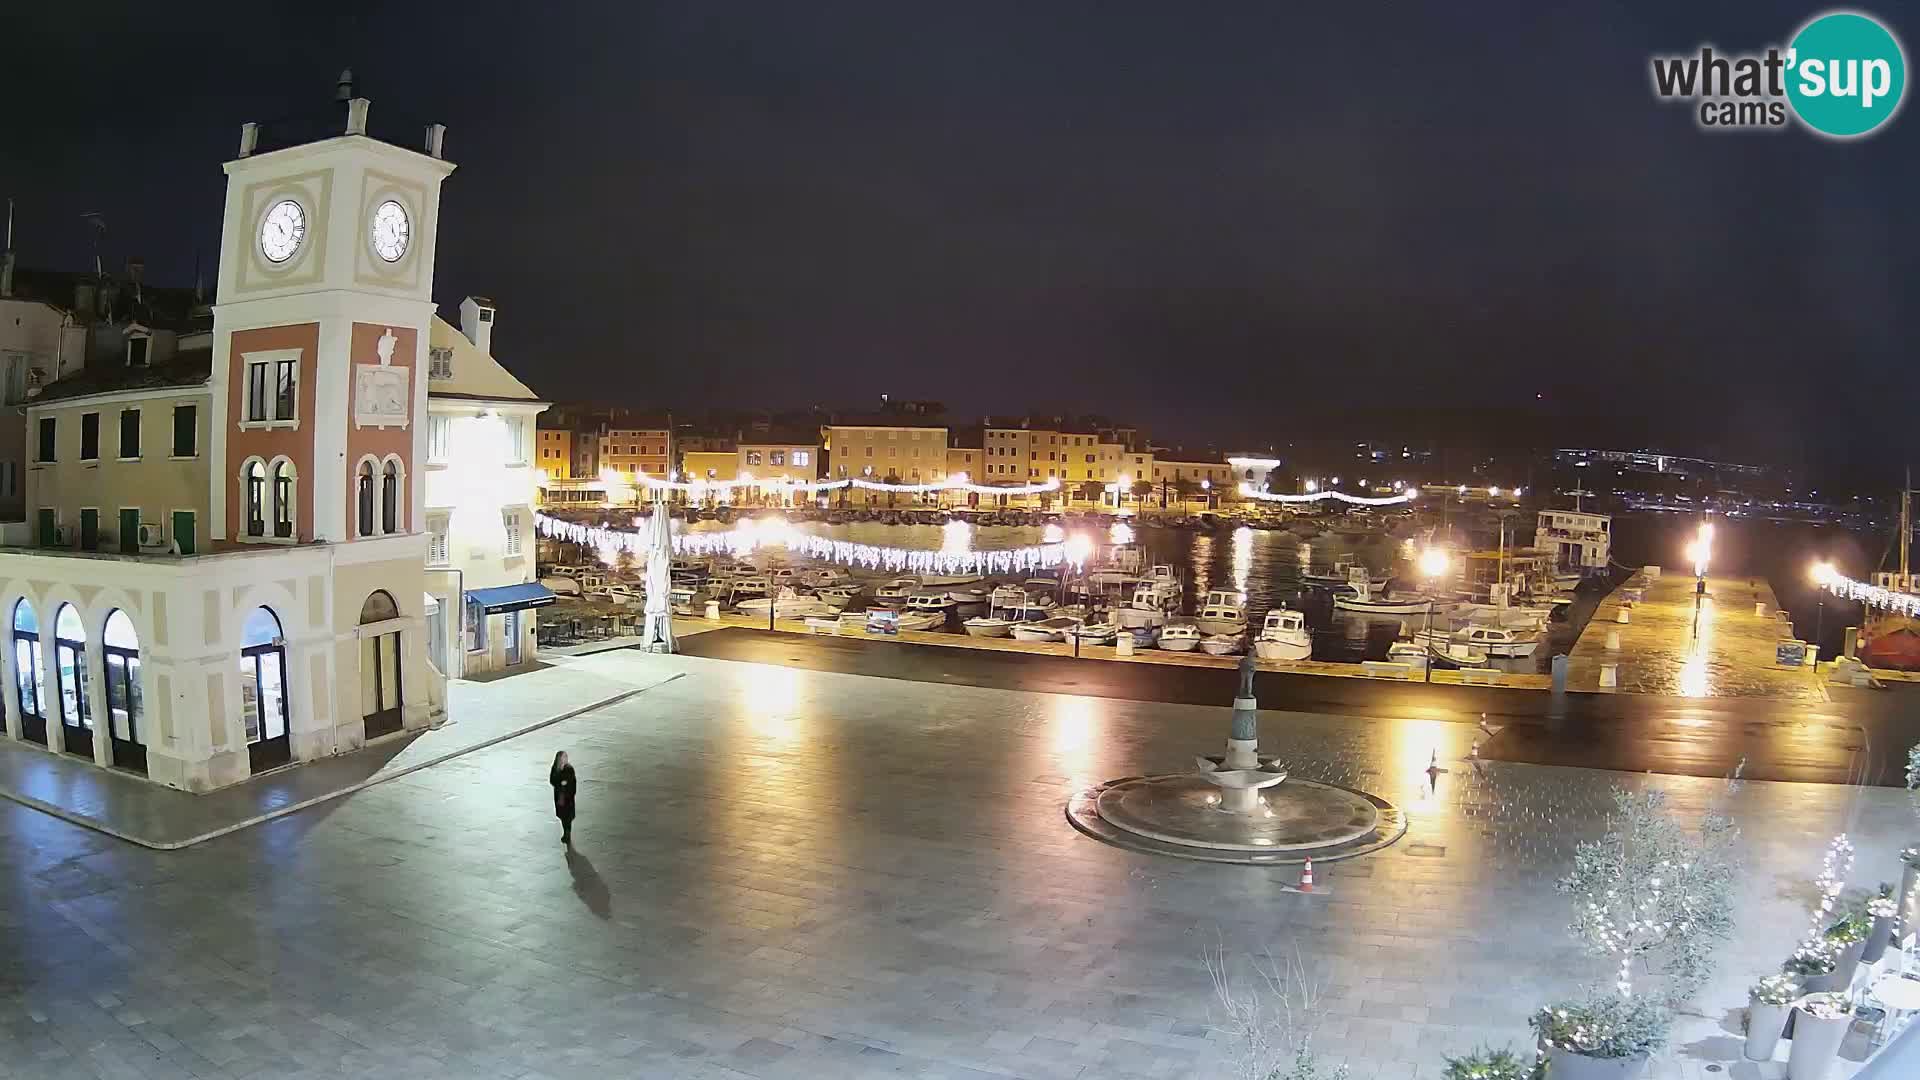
[564, 785]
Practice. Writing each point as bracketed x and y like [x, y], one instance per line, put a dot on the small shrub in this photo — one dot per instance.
[1849, 928]
[1604, 1026]
[1811, 959]
[1486, 1064]
[1776, 990]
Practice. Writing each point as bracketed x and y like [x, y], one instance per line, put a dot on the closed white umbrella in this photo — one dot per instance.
[660, 581]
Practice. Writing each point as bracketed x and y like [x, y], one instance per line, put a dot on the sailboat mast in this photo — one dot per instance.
[1906, 524]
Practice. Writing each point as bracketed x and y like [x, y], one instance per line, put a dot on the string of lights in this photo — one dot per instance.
[1357, 500]
[753, 534]
[1898, 603]
[959, 482]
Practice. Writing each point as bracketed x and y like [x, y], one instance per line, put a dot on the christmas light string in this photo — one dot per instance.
[1898, 603]
[957, 483]
[753, 534]
[1356, 500]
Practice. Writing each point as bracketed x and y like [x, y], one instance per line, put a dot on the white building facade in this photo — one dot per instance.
[480, 488]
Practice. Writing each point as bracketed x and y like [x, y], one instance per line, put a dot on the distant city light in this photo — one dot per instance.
[1312, 486]
[1493, 492]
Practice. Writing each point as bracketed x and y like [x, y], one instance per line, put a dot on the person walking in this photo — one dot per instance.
[564, 785]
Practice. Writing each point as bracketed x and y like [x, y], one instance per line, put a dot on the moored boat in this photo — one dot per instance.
[1180, 637]
[1224, 612]
[1220, 644]
[1054, 629]
[1283, 636]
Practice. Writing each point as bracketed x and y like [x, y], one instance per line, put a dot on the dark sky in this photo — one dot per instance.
[1227, 221]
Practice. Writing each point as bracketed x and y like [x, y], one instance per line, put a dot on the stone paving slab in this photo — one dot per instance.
[153, 816]
[1732, 654]
[782, 873]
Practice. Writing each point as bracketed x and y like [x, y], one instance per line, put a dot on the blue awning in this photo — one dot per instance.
[511, 597]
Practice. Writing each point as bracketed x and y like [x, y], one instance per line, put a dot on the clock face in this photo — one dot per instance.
[391, 230]
[282, 231]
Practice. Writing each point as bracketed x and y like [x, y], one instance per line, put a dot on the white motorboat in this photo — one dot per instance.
[988, 626]
[685, 599]
[1365, 603]
[949, 580]
[934, 602]
[1224, 612]
[1220, 644]
[1147, 608]
[1283, 636]
[970, 598]
[825, 577]
[1165, 582]
[896, 591]
[1144, 637]
[787, 605]
[1054, 629]
[837, 596]
[1503, 642]
[747, 588]
[1100, 633]
[1180, 637]
[783, 576]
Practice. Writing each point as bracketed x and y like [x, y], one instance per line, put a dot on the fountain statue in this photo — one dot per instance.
[1241, 774]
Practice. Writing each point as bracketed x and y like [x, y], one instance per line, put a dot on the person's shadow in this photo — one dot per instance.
[587, 885]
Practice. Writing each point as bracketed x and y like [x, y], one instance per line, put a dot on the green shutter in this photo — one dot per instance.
[130, 531]
[183, 531]
[89, 530]
[49, 529]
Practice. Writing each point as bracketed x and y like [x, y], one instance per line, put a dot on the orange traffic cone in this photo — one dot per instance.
[1306, 876]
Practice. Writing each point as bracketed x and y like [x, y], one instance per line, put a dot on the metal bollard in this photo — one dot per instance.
[1760, 608]
[713, 611]
[1613, 641]
[1123, 644]
[1624, 615]
[1609, 675]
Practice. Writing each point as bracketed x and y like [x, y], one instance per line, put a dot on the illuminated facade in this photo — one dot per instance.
[246, 586]
[480, 488]
[553, 452]
[896, 453]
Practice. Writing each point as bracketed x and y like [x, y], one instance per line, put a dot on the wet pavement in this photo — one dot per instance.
[1861, 735]
[1720, 647]
[790, 873]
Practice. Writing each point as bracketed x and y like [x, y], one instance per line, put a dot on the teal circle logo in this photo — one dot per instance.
[1846, 74]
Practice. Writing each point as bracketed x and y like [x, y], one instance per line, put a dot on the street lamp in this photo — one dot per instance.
[1206, 492]
[1313, 486]
[1433, 563]
[1823, 576]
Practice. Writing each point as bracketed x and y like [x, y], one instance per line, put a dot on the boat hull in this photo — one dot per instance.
[1896, 647]
[1221, 626]
[988, 627]
[1133, 617]
[1380, 607]
[1220, 645]
[1271, 649]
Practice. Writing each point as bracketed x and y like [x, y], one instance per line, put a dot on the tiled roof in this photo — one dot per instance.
[188, 367]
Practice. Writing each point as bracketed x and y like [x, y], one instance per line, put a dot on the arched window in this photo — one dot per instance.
[120, 653]
[390, 497]
[70, 663]
[363, 497]
[32, 686]
[256, 498]
[263, 690]
[283, 477]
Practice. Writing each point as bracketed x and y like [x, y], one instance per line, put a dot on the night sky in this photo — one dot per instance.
[1225, 221]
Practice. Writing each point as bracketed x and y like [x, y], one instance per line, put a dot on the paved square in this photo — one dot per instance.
[783, 873]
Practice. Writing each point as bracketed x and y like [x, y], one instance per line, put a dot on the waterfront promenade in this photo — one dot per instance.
[1727, 651]
[783, 873]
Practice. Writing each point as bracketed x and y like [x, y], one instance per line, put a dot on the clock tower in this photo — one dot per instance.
[325, 301]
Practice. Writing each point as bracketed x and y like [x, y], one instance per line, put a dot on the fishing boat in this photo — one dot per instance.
[1283, 636]
[1054, 629]
[747, 588]
[824, 577]
[1346, 571]
[1148, 607]
[1890, 640]
[1220, 644]
[970, 599]
[1445, 654]
[1224, 612]
[988, 626]
[1180, 637]
[1363, 602]
[930, 604]
[837, 596]
[944, 581]
[1144, 637]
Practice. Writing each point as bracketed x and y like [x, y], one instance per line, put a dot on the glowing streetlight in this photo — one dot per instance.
[1433, 562]
[1079, 548]
[1313, 486]
[1493, 493]
[1823, 573]
[1336, 481]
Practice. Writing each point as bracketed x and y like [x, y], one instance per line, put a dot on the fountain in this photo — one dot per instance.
[1238, 807]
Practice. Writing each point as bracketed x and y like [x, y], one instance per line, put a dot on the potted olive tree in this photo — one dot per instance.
[1655, 897]
[1813, 964]
[1768, 1003]
[1607, 1036]
[1882, 910]
[1820, 1023]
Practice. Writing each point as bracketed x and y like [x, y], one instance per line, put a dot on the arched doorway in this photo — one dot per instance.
[263, 690]
[70, 665]
[120, 651]
[380, 687]
[32, 687]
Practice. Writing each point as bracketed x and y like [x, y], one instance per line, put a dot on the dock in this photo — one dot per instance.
[1727, 650]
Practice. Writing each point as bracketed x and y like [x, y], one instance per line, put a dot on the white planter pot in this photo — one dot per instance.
[1877, 940]
[1816, 1042]
[1566, 1065]
[1764, 1024]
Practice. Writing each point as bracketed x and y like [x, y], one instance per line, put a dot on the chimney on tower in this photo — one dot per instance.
[476, 321]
